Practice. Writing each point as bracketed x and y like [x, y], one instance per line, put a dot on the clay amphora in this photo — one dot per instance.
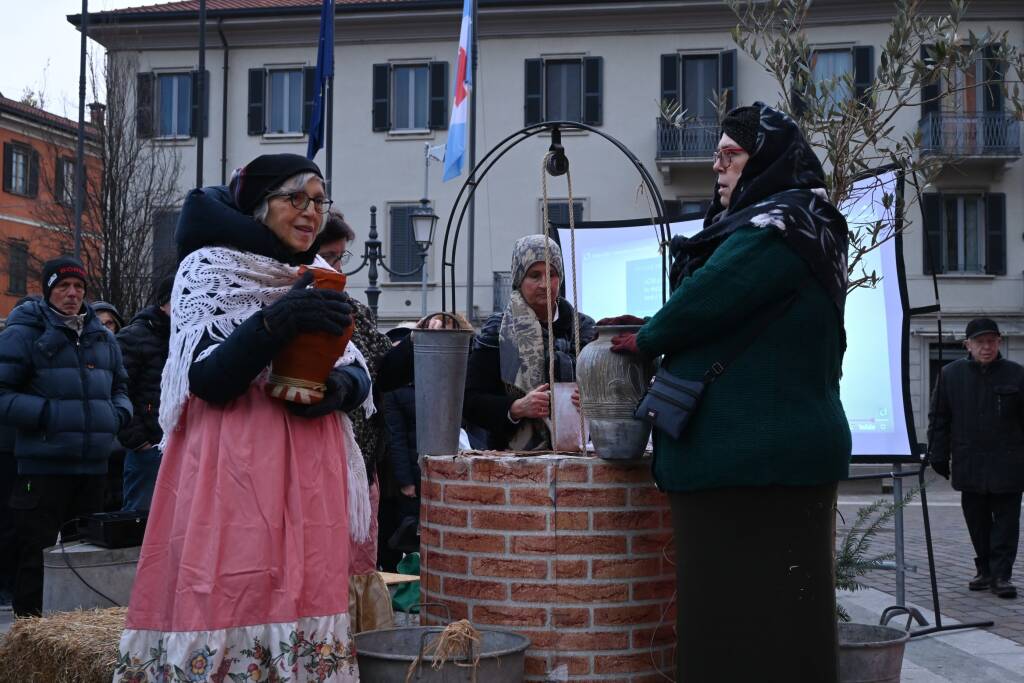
[611, 385]
[299, 372]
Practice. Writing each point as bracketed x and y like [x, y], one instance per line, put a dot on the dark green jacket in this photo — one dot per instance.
[774, 417]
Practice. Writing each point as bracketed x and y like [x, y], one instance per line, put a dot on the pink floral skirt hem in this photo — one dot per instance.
[310, 649]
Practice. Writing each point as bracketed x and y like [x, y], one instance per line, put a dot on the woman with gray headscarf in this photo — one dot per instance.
[507, 389]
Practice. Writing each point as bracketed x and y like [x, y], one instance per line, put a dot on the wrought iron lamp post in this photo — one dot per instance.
[423, 221]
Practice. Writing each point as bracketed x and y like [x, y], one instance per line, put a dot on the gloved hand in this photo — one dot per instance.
[941, 467]
[621, 320]
[339, 384]
[625, 343]
[308, 310]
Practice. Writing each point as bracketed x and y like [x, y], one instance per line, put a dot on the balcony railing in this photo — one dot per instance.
[988, 134]
[695, 140]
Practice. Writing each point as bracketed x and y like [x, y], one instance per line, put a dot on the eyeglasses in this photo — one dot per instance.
[724, 156]
[301, 200]
[334, 258]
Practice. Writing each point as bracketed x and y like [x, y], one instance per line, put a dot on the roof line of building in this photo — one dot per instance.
[154, 15]
[42, 117]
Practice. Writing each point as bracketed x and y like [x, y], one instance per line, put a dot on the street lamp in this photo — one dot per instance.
[423, 221]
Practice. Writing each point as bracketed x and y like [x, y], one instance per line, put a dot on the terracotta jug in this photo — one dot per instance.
[299, 372]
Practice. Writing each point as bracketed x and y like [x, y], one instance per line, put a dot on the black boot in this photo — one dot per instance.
[1004, 588]
[981, 582]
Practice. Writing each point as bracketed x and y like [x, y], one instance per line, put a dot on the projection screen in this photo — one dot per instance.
[618, 267]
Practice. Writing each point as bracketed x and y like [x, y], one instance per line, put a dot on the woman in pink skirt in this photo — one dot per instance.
[243, 571]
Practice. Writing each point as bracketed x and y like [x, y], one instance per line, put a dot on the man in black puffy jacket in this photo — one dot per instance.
[977, 418]
[62, 388]
[144, 346]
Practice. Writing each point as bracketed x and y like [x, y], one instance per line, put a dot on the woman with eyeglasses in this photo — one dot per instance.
[243, 571]
[752, 478]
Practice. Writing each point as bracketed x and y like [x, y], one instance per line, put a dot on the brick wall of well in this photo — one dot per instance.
[573, 552]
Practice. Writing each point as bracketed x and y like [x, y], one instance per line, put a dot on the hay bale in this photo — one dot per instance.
[66, 647]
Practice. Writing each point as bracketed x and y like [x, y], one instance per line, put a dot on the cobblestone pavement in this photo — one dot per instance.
[954, 558]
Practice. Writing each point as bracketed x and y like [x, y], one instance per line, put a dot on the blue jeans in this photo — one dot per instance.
[140, 469]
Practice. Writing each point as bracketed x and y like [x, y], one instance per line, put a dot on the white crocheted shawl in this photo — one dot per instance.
[215, 290]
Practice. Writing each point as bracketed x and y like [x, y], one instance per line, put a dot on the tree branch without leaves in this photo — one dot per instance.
[136, 182]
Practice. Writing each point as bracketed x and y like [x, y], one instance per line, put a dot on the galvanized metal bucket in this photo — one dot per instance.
[440, 358]
[871, 654]
[80, 575]
[386, 655]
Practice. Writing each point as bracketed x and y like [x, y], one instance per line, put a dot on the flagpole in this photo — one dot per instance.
[330, 116]
[200, 90]
[80, 141]
[471, 237]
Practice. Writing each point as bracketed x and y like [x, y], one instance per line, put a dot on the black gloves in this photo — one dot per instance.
[339, 385]
[308, 310]
[941, 467]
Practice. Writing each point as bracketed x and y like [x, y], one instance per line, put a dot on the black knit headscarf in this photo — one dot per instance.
[781, 187]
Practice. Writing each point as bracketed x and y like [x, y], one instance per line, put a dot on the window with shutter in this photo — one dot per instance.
[995, 233]
[144, 105]
[173, 105]
[33, 173]
[8, 166]
[381, 97]
[410, 97]
[558, 212]
[405, 254]
[533, 90]
[863, 73]
[17, 268]
[564, 90]
[310, 87]
[199, 121]
[257, 117]
[17, 169]
[931, 215]
[285, 100]
[693, 83]
[593, 77]
[965, 233]
[438, 118]
[65, 177]
[832, 71]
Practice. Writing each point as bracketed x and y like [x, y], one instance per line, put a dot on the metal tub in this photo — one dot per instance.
[386, 655]
[870, 654]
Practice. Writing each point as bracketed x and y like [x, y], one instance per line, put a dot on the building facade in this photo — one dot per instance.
[39, 151]
[608, 64]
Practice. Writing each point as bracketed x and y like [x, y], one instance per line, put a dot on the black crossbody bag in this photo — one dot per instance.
[670, 401]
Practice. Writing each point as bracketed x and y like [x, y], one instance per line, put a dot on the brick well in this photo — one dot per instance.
[573, 552]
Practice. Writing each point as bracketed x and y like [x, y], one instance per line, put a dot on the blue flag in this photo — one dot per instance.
[324, 72]
[457, 128]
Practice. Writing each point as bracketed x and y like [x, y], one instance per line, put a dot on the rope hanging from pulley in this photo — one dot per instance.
[555, 162]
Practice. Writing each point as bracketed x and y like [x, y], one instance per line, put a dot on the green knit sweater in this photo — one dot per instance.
[775, 416]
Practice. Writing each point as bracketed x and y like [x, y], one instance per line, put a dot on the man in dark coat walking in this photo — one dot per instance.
[144, 344]
[62, 388]
[977, 419]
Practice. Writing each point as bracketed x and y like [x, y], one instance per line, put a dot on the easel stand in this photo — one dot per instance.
[913, 614]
